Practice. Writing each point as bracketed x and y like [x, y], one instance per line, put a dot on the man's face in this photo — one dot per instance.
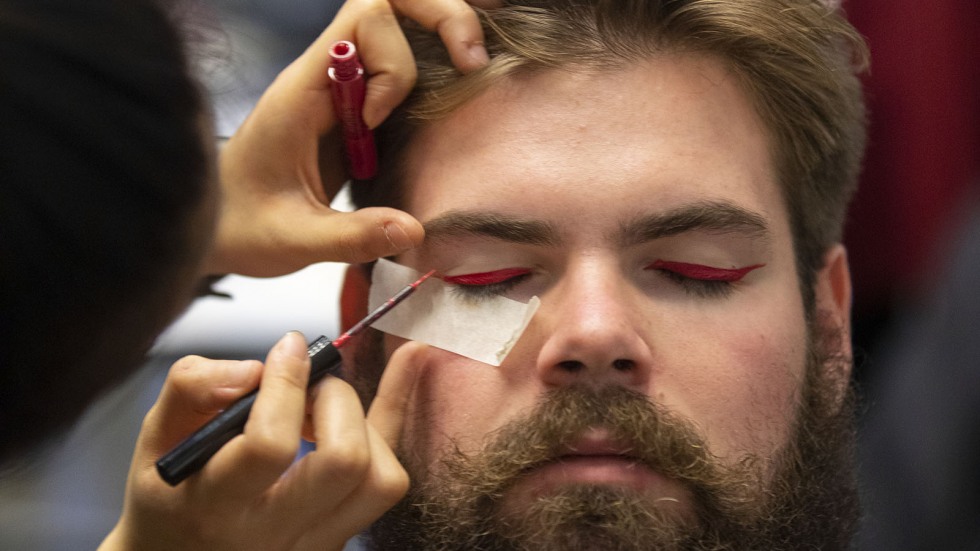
[642, 207]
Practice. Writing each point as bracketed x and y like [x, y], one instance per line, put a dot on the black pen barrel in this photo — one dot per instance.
[193, 453]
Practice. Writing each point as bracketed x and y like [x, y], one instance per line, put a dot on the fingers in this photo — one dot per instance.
[324, 477]
[283, 166]
[388, 60]
[339, 425]
[362, 452]
[381, 47]
[250, 463]
[292, 236]
[251, 494]
[361, 236]
[387, 411]
[383, 484]
[384, 52]
[457, 25]
[195, 390]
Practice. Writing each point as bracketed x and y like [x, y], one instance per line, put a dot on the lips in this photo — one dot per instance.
[596, 442]
[596, 458]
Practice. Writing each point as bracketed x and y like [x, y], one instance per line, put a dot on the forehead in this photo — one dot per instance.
[601, 145]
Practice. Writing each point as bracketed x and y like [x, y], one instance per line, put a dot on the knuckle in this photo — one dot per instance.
[393, 485]
[185, 374]
[269, 451]
[348, 461]
[185, 367]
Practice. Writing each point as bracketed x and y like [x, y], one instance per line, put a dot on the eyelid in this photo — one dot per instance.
[486, 278]
[702, 272]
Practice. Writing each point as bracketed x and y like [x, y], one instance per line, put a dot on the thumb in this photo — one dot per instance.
[360, 236]
[388, 409]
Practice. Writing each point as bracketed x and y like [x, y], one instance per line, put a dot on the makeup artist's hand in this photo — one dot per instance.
[282, 168]
[251, 494]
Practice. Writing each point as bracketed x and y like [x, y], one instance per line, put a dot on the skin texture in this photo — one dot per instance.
[731, 363]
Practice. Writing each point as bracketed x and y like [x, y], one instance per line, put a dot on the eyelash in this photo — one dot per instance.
[486, 285]
[702, 281]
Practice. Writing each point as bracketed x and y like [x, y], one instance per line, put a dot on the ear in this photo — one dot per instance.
[832, 292]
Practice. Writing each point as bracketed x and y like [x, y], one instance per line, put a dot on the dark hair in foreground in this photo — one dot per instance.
[796, 59]
[105, 208]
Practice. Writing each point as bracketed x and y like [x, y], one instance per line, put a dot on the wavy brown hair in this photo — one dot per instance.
[797, 60]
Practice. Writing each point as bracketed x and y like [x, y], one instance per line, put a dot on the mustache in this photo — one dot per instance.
[650, 435]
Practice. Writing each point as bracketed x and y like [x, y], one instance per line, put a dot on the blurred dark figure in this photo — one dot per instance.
[915, 265]
[921, 437]
[99, 115]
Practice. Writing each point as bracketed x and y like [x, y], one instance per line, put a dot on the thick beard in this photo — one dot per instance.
[810, 500]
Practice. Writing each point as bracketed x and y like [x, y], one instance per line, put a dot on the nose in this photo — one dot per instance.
[592, 325]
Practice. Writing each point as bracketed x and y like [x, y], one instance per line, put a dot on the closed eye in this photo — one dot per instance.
[485, 285]
[701, 280]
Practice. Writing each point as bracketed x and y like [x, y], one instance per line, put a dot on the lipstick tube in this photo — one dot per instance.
[348, 88]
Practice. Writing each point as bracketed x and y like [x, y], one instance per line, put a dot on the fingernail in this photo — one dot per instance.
[292, 345]
[397, 237]
[373, 118]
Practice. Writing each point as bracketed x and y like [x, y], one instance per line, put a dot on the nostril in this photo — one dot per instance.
[571, 366]
[623, 365]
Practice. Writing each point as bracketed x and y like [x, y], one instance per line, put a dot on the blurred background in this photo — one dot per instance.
[914, 243]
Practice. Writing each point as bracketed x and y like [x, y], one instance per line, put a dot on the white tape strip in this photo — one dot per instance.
[484, 330]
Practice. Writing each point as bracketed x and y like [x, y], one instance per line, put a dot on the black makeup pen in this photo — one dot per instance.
[192, 454]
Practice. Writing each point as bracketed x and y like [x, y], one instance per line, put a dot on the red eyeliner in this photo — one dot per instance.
[704, 273]
[486, 278]
[347, 88]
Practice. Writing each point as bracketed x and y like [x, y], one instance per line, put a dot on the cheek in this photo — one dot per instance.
[457, 401]
[739, 382]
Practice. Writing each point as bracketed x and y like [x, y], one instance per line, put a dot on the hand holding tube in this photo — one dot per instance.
[240, 499]
[194, 452]
[282, 168]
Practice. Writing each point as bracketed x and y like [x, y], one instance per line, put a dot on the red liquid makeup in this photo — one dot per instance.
[348, 88]
[486, 278]
[704, 273]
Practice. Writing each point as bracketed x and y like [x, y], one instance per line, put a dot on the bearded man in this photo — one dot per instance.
[670, 179]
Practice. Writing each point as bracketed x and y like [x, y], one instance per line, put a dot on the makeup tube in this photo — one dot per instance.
[348, 88]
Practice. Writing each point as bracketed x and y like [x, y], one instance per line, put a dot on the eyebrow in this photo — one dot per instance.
[710, 216]
[458, 223]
